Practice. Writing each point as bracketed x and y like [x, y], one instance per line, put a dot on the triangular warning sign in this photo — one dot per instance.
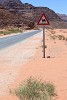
[43, 20]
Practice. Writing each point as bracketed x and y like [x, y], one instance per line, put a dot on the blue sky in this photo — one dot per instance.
[59, 6]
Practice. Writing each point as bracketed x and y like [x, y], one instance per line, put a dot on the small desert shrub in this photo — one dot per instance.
[4, 32]
[15, 30]
[53, 37]
[12, 30]
[66, 39]
[61, 37]
[34, 89]
[53, 32]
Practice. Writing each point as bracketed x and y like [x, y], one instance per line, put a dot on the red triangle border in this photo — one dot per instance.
[41, 18]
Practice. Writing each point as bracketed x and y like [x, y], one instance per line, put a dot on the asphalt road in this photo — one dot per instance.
[10, 40]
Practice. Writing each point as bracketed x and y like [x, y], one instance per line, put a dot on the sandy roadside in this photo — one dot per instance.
[53, 69]
[12, 58]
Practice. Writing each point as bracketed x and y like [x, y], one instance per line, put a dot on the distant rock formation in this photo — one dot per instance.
[63, 16]
[22, 14]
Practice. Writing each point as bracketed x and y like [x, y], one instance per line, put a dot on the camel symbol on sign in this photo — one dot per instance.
[43, 20]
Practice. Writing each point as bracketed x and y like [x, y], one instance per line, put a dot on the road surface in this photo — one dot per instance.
[10, 40]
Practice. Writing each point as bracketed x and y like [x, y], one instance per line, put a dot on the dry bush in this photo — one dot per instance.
[34, 89]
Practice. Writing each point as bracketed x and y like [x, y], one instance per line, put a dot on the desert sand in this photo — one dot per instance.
[53, 69]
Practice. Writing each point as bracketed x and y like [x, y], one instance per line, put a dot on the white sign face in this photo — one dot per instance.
[43, 20]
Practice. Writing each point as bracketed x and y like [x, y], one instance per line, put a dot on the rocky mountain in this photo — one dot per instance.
[14, 12]
[11, 3]
[11, 19]
[15, 5]
[63, 16]
[6, 17]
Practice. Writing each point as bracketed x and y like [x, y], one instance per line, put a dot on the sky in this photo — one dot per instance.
[59, 6]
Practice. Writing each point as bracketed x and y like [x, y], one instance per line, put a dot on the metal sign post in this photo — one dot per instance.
[43, 41]
[43, 21]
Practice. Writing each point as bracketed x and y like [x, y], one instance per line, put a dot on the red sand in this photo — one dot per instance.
[48, 69]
